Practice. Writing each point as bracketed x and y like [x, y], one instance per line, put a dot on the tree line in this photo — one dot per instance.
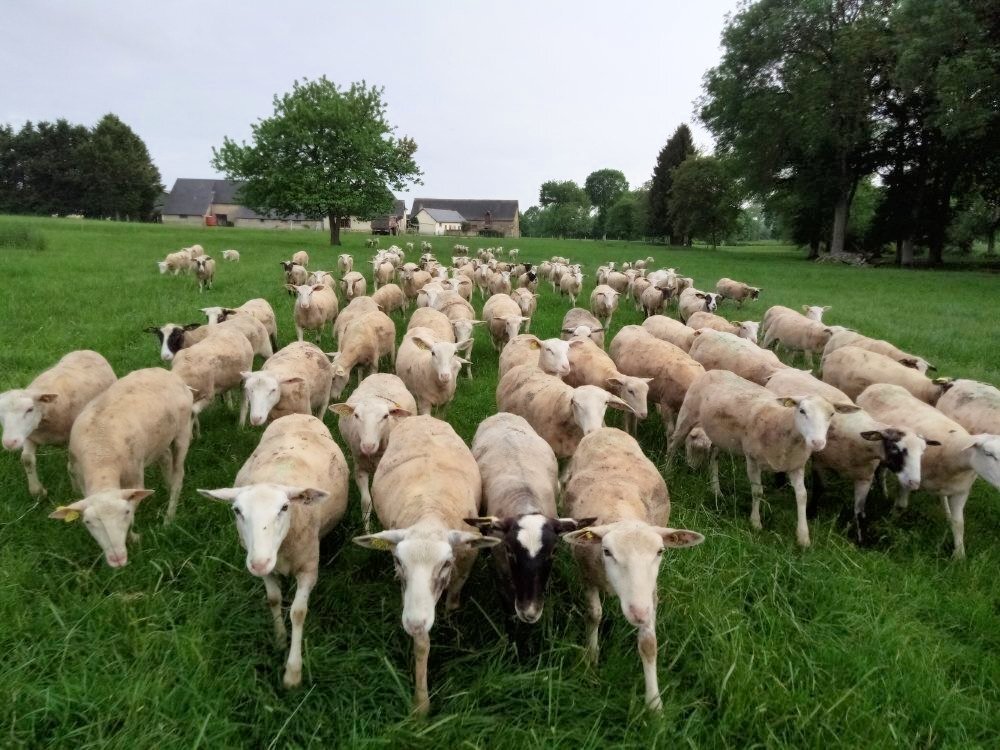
[60, 168]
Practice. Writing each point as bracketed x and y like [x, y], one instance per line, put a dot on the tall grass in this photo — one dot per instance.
[16, 236]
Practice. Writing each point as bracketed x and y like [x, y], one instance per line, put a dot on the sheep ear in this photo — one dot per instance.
[788, 402]
[383, 541]
[675, 538]
[485, 524]
[471, 540]
[421, 343]
[399, 411]
[292, 288]
[46, 398]
[292, 380]
[873, 435]
[342, 410]
[534, 343]
[226, 495]
[69, 513]
[846, 408]
[615, 380]
[566, 525]
[306, 496]
[577, 342]
[585, 537]
[616, 403]
[134, 496]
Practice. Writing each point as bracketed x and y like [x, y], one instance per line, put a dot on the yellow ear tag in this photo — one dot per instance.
[71, 516]
[534, 345]
[380, 544]
[587, 536]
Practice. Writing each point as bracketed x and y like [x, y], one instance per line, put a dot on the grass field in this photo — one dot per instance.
[761, 644]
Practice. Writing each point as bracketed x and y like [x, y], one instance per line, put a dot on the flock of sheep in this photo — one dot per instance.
[438, 501]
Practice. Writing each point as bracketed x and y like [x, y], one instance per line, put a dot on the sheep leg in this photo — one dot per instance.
[957, 503]
[713, 466]
[30, 464]
[463, 568]
[74, 480]
[903, 498]
[647, 652]
[304, 583]
[808, 358]
[244, 405]
[298, 332]
[861, 489]
[594, 613]
[361, 479]
[421, 651]
[273, 589]
[757, 490]
[798, 479]
[180, 449]
[685, 423]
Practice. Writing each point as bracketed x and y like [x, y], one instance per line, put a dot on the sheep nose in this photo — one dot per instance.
[913, 484]
[10, 443]
[369, 448]
[817, 445]
[638, 615]
[415, 625]
[444, 377]
[530, 612]
[118, 561]
[260, 567]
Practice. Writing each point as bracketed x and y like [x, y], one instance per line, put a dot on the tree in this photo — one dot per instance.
[703, 199]
[325, 152]
[562, 191]
[677, 149]
[121, 178]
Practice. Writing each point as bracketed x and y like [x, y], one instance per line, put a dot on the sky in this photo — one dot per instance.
[498, 96]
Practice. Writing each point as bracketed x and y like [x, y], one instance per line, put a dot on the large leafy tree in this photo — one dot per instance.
[325, 152]
[679, 147]
[562, 191]
[603, 188]
[703, 199]
[123, 182]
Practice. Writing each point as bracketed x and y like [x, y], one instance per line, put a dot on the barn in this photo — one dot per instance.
[438, 221]
[486, 217]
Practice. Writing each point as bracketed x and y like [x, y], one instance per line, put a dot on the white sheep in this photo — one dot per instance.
[571, 285]
[692, 300]
[591, 365]
[975, 406]
[670, 330]
[603, 303]
[296, 380]
[528, 302]
[258, 308]
[746, 329]
[737, 291]
[214, 366]
[315, 307]
[205, 272]
[345, 263]
[354, 285]
[390, 298]
[503, 317]
[301, 258]
[233, 256]
[812, 312]
[580, 322]
[356, 308]
[852, 370]
[845, 337]
[429, 367]
[550, 355]
[365, 341]
[718, 350]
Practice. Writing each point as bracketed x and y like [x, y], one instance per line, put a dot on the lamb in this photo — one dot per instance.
[856, 444]
[528, 302]
[746, 329]
[853, 338]
[571, 284]
[691, 301]
[520, 486]
[367, 419]
[812, 312]
[354, 285]
[580, 322]
[798, 333]
[503, 316]
[737, 291]
[670, 330]
[295, 274]
[213, 366]
[280, 524]
[590, 365]
[390, 298]
[205, 271]
[143, 417]
[356, 308]
[296, 380]
[177, 262]
[364, 342]
[669, 370]
[43, 413]
[425, 485]
[174, 337]
[718, 350]
[233, 256]
[559, 413]
[948, 470]
[550, 355]
[258, 308]
[603, 303]
[777, 434]
[315, 307]
[429, 368]
[301, 258]
[852, 370]
[975, 406]
[611, 481]
[345, 263]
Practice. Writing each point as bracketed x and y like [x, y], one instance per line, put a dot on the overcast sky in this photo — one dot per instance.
[499, 97]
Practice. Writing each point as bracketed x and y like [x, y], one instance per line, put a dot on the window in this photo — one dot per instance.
[183, 216]
[488, 220]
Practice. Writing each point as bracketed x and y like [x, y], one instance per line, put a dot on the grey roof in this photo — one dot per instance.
[472, 209]
[445, 216]
[194, 197]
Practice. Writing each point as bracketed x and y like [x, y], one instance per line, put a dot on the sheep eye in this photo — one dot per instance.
[385, 416]
[284, 507]
[30, 410]
[659, 552]
[802, 412]
[607, 553]
[237, 511]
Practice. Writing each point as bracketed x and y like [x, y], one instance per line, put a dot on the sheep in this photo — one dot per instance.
[463, 321]
[975, 406]
[174, 337]
[345, 263]
[365, 341]
[390, 298]
[737, 291]
[43, 413]
[653, 299]
[383, 271]
[437, 321]
[644, 262]
[315, 306]
[559, 413]
[639, 286]
[856, 444]
[520, 486]
[947, 470]
[356, 308]
[258, 308]
[846, 337]
[610, 480]
[798, 333]
[503, 317]
[288, 495]
[296, 380]
[365, 422]
[295, 274]
[580, 322]
[429, 368]
[590, 365]
[141, 418]
[812, 312]
[255, 331]
[214, 365]
[550, 355]
[528, 280]
[320, 277]
[746, 329]
[777, 434]
[354, 285]
[301, 258]
[718, 350]
[233, 256]
[528, 302]
[668, 370]
[426, 484]
[671, 331]
[499, 283]
[571, 284]
[617, 281]
[205, 271]
[852, 370]
[176, 263]
[603, 303]
[697, 448]
[691, 301]
[460, 283]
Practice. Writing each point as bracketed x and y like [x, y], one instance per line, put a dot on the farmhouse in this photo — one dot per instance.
[487, 217]
[393, 223]
[438, 221]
